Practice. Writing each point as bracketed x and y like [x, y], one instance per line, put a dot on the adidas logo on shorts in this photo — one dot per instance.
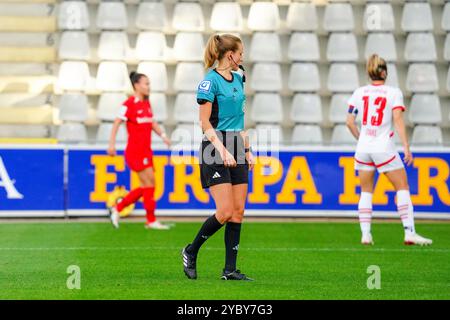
[216, 175]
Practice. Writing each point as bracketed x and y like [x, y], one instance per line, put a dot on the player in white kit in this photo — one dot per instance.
[381, 108]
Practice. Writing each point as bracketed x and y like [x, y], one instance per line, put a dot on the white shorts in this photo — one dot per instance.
[382, 161]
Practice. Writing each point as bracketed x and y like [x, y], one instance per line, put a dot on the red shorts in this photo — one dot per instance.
[138, 161]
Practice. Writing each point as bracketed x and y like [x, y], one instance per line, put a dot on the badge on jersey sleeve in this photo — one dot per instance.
[204, 86]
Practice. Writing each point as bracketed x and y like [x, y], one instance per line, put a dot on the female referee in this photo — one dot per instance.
[137, 113]
[381, 106]
[225, 155]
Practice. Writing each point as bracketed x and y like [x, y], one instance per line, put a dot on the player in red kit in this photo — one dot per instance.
[136, 111]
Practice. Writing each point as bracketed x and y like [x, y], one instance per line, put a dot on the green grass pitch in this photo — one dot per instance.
[288, 261]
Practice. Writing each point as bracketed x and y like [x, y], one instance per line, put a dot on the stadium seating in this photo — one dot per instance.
[427, 135]
[417, 17]
[342, 47]
[152, 16]
[227, 16]
[78, 54]
[304, 77]
[342, 136]
[338, 17]
[379, 17]
[338, 108]
[261, 52]
[302, 16]
[307, 134]
[383, 44]
[425, 109]
[306, 108]
[267, 108]
[304, 46]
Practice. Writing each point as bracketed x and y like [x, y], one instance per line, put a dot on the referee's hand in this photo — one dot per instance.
[228, 159]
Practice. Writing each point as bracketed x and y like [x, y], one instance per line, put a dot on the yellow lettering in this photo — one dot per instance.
[299, 177]
[102, 176]
[351, 181]
[425, 181]
[261, 178]
[182, 180]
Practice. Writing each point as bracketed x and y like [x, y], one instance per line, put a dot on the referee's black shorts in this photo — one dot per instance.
[212, 169]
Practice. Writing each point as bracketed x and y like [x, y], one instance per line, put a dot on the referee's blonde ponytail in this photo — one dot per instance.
[218, 45]
[375, 67]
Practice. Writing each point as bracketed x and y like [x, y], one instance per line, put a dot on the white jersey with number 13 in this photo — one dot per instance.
[374, 105]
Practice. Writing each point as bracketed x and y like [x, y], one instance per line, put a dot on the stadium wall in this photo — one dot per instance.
[65, 180]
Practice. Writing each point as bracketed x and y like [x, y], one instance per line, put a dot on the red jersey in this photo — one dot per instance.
[139, 118]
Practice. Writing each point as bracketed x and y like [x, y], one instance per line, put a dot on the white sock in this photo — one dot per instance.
[365, 212]
[406, 211]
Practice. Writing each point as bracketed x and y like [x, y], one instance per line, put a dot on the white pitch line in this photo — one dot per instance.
[410, 250]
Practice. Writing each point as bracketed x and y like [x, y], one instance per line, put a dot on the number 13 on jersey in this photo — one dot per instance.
[380, 104]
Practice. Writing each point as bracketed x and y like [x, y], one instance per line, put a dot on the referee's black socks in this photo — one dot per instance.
[209, 227]
[232, 237]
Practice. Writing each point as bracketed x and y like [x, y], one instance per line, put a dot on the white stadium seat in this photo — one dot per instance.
[420, 47]
[73, 15]
[379, 17]
[304, 46]
[24, 131]
[425, 108]
[73, 75]
[157, 73]
[417, 17]
[186, 108]
[445, 22]
[188, 16]
[339, 108]
[74, 45]
[188, 46]
[342, 47]
[113, 45]
[109, 104]
[392, 79]
[159, 106]
[227, 16]
[72, 132]
[302, 17]
[267, 108]
[73, 107]
[263, 16]
[151, 16]
[104, 132]
[447, 47]
[306, 108]
[112, 16]
[266, 135]
[307, 134]
[187, 134]
[266, 77]
[338, 17]
[304, 77]
[260, 51]
[342, 135]
[342, 77]
[422, 77]
[112, 76]
[382, 44]
[427, 135]
[188, 75]
[151, 46]
[448, 80]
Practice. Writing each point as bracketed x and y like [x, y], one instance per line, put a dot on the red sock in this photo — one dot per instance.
[130, 198]
[149, 203]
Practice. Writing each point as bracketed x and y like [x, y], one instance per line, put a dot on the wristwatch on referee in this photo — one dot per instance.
[249, 149]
